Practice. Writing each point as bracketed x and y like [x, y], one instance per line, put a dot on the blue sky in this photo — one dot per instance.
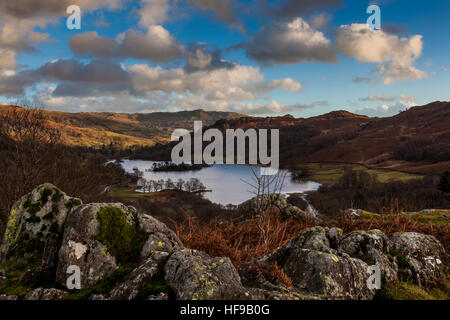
[256, 57]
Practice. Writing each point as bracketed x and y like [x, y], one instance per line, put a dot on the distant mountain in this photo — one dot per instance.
[95, 129]
[414, 140]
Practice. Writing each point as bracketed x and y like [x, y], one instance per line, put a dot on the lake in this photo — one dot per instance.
[224, 180]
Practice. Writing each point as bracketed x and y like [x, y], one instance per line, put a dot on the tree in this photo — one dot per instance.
[444, 185]
[266, 189]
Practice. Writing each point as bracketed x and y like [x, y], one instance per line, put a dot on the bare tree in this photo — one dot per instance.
[265, 188]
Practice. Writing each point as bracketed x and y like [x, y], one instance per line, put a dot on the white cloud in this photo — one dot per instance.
[396, 56]
[156, 44]
[386, 110]
[291, 42]
[153, 12]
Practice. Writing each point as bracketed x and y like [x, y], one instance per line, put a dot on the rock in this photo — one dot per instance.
[371, 247]
[195, 275]
[34, 218]
[420, 257]
[159, 297]
[353, 213]
[46, 294]
[334, 236]
[278, 201]
[97, 238]
[316, 268]
[4, 297]
[138, 279]
[50, 256]
[160, 239]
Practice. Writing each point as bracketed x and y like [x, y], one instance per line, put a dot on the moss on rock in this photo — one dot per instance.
[121, 234]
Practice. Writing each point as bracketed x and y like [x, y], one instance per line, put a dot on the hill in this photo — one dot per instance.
[416, 140]
[92, 129]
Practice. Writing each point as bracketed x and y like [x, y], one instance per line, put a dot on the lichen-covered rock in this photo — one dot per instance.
[353, 213]
[195, 275]
[46, 294]
[135, 281]
[420, 257]
[159, 297]
[329, 275]
[97, 238]
[334, 236]
[277, 201]
[34, 218]
[371, 247]
[315, 267]
[4, 297]
[160, 239]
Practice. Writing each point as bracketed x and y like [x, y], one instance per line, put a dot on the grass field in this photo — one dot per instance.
[330, 173]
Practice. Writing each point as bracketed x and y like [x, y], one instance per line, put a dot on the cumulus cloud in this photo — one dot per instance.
[241, 82]
[395, 56]
[224, 10]
[290, 42]
[26, 9]
[104, 78]
[385, 110]
[404, 97]
[156, 44]
[194, 101]
[199, 57]
[153, 12]
[19, 18]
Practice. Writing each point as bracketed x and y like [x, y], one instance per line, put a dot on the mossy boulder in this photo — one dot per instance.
[275, 201]
[160, 237]
[420, 257]
[98, 238]
[138, 279]
[372, 247]
[34, 219]
[194, 275]
[315, 267]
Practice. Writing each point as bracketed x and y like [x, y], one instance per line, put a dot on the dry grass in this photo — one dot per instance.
[240, 241]
[395, 223]
[243, 241]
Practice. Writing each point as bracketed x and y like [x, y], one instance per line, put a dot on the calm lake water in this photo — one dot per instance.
[224, 180]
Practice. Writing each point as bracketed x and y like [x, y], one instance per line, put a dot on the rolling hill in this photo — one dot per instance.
[124, 130]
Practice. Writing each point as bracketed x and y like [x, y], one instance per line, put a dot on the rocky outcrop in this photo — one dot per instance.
[419, 256]
[138, 279]
[316, 267]
[46, 294]
[34, 219]
[278, 202]
[193, 275]
[130, 255]
[160, 239]
[371, 247]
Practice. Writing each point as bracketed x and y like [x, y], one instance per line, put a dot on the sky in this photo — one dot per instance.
[257, 57]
